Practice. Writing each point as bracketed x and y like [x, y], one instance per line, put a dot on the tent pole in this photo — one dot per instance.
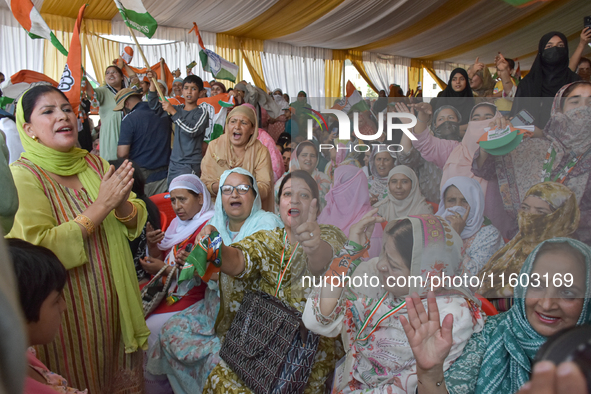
[162, 98]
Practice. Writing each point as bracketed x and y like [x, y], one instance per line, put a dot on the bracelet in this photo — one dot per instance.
[85, 222]
[129, 217]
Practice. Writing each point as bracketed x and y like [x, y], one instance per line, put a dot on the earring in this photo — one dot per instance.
[35, 138]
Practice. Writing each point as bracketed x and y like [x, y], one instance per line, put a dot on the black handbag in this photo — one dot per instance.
[269, 347]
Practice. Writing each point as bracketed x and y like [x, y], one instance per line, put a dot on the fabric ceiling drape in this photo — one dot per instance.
[295, 68]
[21, 52]
[385, 70]
[283, 18]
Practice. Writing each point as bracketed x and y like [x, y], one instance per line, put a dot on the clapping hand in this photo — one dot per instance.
[116, 186]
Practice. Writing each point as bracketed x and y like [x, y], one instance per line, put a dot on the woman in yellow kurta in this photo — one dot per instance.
[239, 147]
[75, 204]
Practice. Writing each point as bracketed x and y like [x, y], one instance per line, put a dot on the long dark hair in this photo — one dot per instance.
[301, 174]
[31, 96]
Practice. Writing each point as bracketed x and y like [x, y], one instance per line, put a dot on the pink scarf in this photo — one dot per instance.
[459, 162]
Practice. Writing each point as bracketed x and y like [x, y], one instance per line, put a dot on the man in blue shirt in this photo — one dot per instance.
[144, 139]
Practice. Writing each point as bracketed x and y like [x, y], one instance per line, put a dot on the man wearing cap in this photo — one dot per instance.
[144, 139]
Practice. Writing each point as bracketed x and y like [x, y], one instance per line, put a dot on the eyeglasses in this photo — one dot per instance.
[241, 189]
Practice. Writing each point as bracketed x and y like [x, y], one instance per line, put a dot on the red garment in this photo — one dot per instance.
[195, 294]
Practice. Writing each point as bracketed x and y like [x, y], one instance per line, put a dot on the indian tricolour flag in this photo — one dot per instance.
[219, 67]
[27, 15]
[135, 16]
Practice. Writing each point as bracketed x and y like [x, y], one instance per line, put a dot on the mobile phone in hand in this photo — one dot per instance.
[189, 247]
[587, 21]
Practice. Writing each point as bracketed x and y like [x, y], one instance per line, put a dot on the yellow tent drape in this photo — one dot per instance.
[356, 59]
[102, 52]
[228, 47]
[333, 75]
[53, 60]
[283, 18]
[415, 74]
[439, 81]
[438, 16]
[251, 52]
[105, 10]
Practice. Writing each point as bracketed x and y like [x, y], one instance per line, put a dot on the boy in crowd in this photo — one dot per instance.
[191, 121]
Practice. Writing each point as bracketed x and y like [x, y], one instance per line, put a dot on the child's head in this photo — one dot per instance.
[41, 278]
[192, 86]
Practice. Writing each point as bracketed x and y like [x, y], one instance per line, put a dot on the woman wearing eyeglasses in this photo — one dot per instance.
[188, 346]
[303, 248]
[239, 147]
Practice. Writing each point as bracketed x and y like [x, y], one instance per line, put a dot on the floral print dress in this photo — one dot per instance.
[262, 253]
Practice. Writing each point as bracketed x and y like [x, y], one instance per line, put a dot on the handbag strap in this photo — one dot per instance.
[282, 271]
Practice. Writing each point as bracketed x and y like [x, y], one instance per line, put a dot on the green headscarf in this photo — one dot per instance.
[506, 365]
[133, 324]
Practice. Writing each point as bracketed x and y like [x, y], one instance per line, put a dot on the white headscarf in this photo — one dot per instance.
[414, 204]
[179, 230]
[472, 192]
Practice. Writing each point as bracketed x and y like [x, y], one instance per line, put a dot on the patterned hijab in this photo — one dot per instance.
[506, 364]
[533, 229]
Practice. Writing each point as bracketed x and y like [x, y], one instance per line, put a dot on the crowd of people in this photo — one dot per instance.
[267, 209]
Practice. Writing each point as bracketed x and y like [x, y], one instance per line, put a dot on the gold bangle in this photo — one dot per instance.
[129, 217]
[85, 222]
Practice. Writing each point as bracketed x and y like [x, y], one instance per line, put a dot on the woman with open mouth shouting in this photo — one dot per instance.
[188, 345]
[256, 263]
[306, 159]
[239, 147]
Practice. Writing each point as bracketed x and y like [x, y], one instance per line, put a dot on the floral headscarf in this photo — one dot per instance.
[533, 229]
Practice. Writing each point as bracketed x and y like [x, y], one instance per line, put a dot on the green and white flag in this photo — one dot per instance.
[135, 16]
[27, 15]
[214, 63]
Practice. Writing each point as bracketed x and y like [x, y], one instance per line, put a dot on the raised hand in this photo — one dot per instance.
[153, 236]
[308, 233]
[457, 221]
[499, 123]
[361, 231]
[167, 106]
[429, 340]
[116, 186]
[501, 63]
[586, 35]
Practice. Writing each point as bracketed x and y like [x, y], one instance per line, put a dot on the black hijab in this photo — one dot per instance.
[463, 101]
[544, 80]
